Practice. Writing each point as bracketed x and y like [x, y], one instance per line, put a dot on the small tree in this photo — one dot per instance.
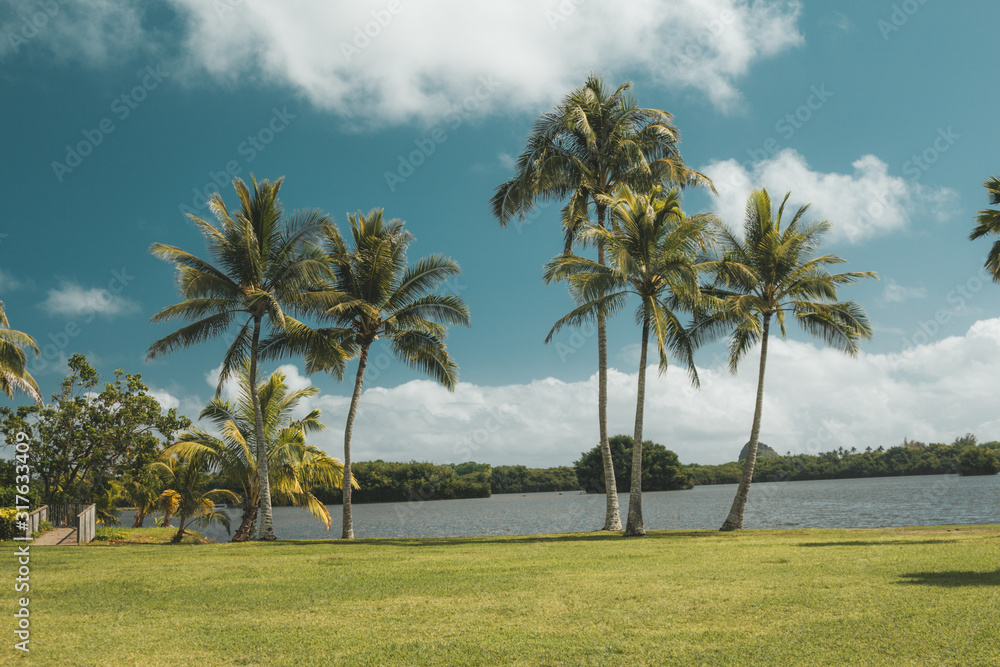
[85, 438]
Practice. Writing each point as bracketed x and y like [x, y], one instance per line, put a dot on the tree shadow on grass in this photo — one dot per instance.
[952, 578]
[872, 543]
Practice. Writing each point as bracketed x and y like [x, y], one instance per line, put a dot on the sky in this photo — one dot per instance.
[121, 117]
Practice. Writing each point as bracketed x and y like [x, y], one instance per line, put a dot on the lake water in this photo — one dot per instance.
[848, 503]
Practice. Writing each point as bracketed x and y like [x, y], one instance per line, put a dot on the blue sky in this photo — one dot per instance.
[121, 116]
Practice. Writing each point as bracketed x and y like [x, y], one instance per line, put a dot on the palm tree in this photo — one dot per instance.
[769, 273]
[143, 493]
[989, 223]
[293, 465]
[652, 249]
[381, 296]
[265, 267]
[184, 495]
[14, 375]
[593, 142]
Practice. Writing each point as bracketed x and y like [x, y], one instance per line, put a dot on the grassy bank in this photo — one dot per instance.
[792, 597]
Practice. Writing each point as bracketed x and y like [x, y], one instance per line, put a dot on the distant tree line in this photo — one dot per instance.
[963, 456]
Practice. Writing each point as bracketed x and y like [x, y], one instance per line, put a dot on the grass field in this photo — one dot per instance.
[921, 596]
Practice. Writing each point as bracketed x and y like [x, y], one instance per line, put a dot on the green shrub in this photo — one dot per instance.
[8, 524]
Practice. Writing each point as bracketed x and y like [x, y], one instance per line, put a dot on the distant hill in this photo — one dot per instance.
[763, 452]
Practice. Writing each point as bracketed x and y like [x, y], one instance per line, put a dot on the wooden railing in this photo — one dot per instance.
[35, 519]
[86, 525]
[79, 516]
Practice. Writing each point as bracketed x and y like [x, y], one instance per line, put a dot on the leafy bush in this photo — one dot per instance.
[661, 470]
[43, 528]
[8, 524]
[978, 461]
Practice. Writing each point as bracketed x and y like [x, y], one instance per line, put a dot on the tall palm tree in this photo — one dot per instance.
[185, 495]
[989, 223]
[294, 466]
[652, 251]
[593, 142]
[14, 375]
[768, 274]
[381, 296]
[265, 266]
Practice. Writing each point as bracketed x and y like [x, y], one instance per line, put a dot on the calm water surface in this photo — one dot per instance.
[848, 503]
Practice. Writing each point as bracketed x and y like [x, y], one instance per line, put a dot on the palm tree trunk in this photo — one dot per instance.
[266, 531]
[635, 527]
[735, 519]
[359, 380]
[180, 533]
[612, 517]
[242, 533]
[140, 516]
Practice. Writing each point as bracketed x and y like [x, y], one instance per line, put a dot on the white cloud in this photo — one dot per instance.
[370, 64]
[8, 283]
[816, 399]
[73, 300]
[866, 203]
[88, 30]
[166, 400]
[896, 293]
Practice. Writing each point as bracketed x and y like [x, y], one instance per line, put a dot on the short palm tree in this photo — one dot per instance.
[593, 142]
[381, 296]
[265, 268]
[652, 251]
[143, 493]
[768, 274]
[294, 466]
[14, 375]
[185, 495]
[989, 223]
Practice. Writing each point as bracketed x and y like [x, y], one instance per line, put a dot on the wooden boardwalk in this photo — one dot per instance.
[56, 537]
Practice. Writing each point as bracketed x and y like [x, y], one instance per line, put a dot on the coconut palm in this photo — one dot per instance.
[265, 268]
[651, 249]
[143, 493]
[294, 466]
[185, 495]
[593, 142]
[382, 297]
[989, 223]
[14, 375]
[768, 274]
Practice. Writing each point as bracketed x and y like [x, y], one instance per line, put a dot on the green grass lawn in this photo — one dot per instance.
[789, 597]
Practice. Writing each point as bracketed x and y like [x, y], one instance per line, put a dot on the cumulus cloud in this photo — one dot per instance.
[73, 300]
[816, 400]
[866, 203]
[896, 293]
[395, 61]
[88, 30]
